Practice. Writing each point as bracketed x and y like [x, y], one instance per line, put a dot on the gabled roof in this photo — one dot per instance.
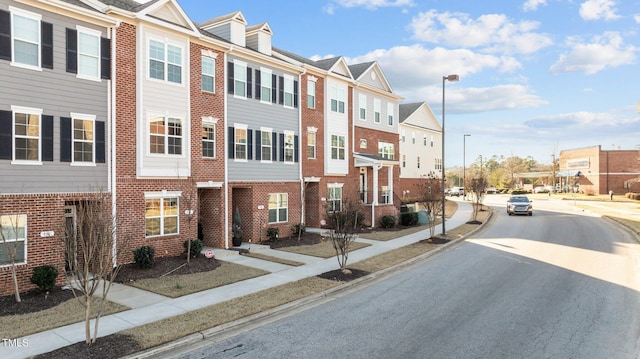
[336, 65]
[264, 27]
[358, 69]
[419, 115]
[234, 16]
[379, 81]
[162, 12]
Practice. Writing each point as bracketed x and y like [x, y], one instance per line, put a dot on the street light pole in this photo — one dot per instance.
[464, 165]
[451, 78]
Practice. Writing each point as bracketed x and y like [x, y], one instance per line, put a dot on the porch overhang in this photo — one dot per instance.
[311, 179]
[366, 160]
[209, 184]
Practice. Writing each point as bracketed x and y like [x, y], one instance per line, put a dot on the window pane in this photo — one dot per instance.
[273, 213]
[156, 70]
[207, 83]
[156, 50]
[170, 225]
[174, 73]
[152, 226]
[175, 146]
[174, 55]
[282, 215]
[25, 53]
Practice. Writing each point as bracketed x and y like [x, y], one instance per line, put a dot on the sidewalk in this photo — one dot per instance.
[149, 307]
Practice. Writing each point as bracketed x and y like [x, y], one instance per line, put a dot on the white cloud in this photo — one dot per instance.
[606, 50]
[369, 4]
[598, 9]
[637, 18]
[532, 5]
[493, 33]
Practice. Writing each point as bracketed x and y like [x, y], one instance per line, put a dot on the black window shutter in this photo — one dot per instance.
[295, 93]
[274, 88]
[46, 51]
[5, 135]
[230, 80]
[5, 36]
[258, 145]
[231, 142]
[105, 58]
[274, 147]
[72, 51]
[101, 144]
[47, 138]
[296, 148]
[249, 81]
[281, 90]
[258, 77]
[281, 147]
[249, 144]
[65, 139]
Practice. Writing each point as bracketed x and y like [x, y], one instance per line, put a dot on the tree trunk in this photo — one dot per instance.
[16, 289]
[87, 320]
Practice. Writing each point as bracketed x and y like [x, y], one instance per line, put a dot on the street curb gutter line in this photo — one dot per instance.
[270, 315]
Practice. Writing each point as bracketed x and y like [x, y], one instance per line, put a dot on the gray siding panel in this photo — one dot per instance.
[256, 114]
[58, 94]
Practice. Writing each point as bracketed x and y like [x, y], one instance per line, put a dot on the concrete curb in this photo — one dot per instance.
[232, 328]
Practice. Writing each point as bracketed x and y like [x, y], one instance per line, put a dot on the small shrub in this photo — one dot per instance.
[409, 218]
[44, 277]
[388, 221]
[272, 233]
[298, 229]
[144, 256]
[196, 247]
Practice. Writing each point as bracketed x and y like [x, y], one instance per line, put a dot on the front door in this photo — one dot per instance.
[71, 243]
[363, 186]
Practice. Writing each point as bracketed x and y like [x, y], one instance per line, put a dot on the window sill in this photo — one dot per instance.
[82, 164]
[26, 163]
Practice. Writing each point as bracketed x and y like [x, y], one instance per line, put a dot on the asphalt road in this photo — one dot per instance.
[559, 284]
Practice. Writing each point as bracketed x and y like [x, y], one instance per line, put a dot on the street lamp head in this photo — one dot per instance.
[451, 78]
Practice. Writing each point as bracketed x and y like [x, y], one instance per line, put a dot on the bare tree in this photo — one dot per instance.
[344, 220]
[430, 193]
[478, 186]
[11, 231]
[189, 201]
[97, 249]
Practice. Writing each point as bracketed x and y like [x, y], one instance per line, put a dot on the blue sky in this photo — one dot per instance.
[536, 76]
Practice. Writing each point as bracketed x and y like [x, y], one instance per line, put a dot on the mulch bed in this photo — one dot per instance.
[33, 301]
[166, 266]
[111, 346]
[339, 276]
[308, 238]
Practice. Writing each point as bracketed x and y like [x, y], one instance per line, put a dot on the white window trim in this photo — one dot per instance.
[390, 115]
[311, 80]
[270, 131]
[266, 74]
[376, 111]
[212, 122]
[331, 186]
[26, 247]
[206, 56]
[289, 81]
[331, 147]
[34, 16]
[293, 147]
[382, 146]
[98, 34]
[161, 196]
[30, 111]
[235, 155]
[277, 208]
[235, 78]
[362, 105]
[184, 149]
[166, 43]
[85, 117]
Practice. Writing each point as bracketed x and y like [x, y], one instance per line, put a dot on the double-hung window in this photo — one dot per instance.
[362, 104]
[278, 207]
[165, 135]
[266, 144]
[311, 94]
[311, 145]
[337, 99]
[83, 138]
[88, 53]
[13, 235]
[424, 140]
[289, 147]
[334, 197]
[390, 111]
[240, 79]
[240, 141]
[386, 150]
[376, 110]
[165, 62]
[25, 38]
[27, 134]
[266, 84]
[208, 138]
[208, 74]
[337, 147]
[288, 91]
[161, 216]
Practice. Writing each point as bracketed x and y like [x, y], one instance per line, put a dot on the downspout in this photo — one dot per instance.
[225, 154]
[111, 168]
[300, 150]
[376, 167]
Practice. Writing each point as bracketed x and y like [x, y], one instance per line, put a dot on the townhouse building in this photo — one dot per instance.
[55, 64]
[420, 146]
